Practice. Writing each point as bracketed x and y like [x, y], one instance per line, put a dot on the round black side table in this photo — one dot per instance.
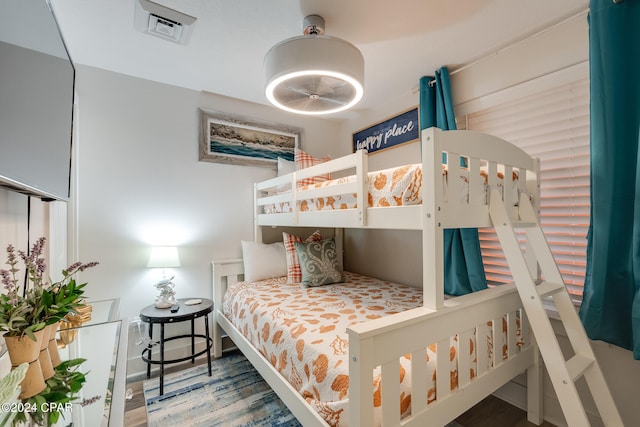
[151, 315]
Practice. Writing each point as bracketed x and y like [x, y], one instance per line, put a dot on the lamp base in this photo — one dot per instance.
[165, 300]
[167, 296]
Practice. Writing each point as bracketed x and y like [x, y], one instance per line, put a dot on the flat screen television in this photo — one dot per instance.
[36, 101]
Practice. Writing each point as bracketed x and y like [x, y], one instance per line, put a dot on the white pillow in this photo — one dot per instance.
[263, 261]
[285, 166]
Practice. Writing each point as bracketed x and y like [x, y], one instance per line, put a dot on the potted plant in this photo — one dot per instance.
[25, 314]
[23, 327]
[61, 390]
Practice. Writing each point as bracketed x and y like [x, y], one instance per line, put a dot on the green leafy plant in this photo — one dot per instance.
[62, 298]
[61, 390]
[25, 311]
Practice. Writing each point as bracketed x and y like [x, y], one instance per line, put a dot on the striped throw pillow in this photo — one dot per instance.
[305, 160]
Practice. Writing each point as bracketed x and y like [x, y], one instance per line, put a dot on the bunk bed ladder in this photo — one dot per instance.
[534, 294]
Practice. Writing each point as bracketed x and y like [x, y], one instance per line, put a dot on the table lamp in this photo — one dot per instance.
[164, 257]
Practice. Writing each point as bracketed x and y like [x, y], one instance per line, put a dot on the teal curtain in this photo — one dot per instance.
[610, 309]
[463, 268]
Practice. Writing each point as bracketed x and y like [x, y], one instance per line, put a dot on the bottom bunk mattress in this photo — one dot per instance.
[302, 332]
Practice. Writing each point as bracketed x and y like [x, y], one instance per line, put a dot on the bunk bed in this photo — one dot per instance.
[474, 344]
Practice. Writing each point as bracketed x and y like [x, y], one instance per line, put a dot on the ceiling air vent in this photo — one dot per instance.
[163, 27]
[160, 21]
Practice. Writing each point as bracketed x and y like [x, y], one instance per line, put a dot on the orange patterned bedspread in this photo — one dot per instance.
[398, 186]
[302, 332]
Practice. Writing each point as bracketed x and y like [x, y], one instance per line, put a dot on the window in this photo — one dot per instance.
[552, 125]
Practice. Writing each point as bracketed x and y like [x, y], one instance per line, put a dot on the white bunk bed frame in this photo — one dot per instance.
[383, 341]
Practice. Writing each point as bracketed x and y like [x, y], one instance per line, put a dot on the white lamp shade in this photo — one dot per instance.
[164, 257]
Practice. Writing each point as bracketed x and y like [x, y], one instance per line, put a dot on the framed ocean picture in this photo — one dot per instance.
[225, 138]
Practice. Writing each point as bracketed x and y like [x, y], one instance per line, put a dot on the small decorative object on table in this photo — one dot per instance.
[164, 257]
[167, 296]
[68, 328]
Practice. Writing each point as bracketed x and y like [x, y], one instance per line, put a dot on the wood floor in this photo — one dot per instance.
[491, 412]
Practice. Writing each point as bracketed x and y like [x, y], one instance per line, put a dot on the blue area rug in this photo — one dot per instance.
[234, 395]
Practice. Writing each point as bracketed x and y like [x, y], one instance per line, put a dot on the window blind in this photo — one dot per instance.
[552, 125]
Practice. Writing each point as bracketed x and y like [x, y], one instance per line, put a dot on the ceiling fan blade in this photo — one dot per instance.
[308, 104]
[314, 93]
[305, 104]
[295, 87]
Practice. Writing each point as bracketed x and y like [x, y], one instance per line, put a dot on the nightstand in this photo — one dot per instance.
[162, 316]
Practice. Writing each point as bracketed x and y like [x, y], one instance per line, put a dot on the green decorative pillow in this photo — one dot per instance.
[318, 262]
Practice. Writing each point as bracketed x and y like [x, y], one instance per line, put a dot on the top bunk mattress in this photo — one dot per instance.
[397, 186]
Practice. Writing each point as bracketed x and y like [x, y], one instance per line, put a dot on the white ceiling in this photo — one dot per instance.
[401, 40]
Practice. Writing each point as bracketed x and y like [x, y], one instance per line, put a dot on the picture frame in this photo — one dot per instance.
[396, 130]
[226, 138]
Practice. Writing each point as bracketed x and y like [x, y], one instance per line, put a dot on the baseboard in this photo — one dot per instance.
[515, 394]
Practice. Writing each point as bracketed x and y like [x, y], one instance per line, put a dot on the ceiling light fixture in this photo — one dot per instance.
[314, 73]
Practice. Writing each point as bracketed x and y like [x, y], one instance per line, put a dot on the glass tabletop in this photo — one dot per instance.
[103, 311]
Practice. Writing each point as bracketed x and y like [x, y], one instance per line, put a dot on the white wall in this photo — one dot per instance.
[23, 220]
[559, 48]
[139, 183]
[13, 221]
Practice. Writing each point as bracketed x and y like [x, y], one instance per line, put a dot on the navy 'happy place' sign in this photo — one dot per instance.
[402, 128]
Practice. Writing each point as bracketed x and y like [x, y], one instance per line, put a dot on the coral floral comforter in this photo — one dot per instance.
[302, 332]
[398, 186]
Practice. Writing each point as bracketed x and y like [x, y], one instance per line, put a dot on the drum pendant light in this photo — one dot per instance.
[314, 73]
